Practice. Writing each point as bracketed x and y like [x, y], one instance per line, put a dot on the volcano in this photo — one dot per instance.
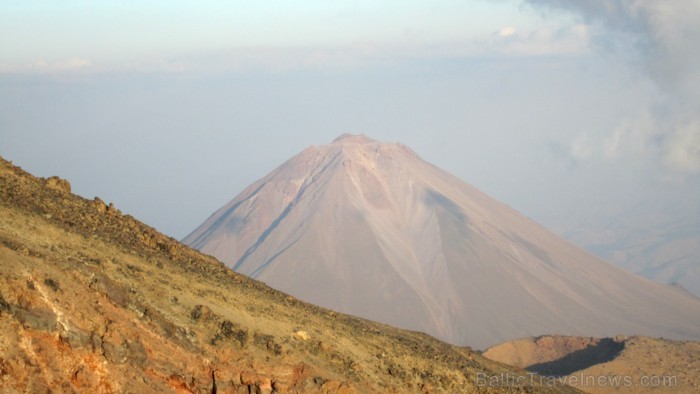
[370, 229]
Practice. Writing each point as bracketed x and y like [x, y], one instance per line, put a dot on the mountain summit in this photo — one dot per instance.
[369, 228]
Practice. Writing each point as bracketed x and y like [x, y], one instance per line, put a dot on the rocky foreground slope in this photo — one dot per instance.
[92, 300]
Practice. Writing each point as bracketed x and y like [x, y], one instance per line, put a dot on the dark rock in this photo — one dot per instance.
[42, 319]
[230, 330]
[75, 338]
[202, 312]
[110, 289]
[99, 205]
[196, 312]
[128, 351]
[52, 284]
[4, 305]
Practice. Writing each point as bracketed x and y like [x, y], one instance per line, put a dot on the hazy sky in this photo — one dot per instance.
[571, 112]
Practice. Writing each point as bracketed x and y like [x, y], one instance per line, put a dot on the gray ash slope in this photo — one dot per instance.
[369, 228]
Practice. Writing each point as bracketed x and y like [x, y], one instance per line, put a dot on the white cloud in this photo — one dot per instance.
[507, 31]
[507, 41]
[572, 40]
[634, 138]
[72, 64]
[42, 66]
[582, 147]
[682, 151]
[659, 39]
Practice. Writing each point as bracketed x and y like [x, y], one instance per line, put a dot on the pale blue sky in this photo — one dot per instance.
[569, 113]
[114, 34]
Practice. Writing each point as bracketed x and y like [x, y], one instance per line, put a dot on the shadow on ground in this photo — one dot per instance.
[605, 350]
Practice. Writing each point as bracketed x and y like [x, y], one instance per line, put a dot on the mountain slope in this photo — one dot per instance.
[664, 246]
[369, 228]
[94, 301]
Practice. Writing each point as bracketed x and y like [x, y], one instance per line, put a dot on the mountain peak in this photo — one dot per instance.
[370, 229]
[360, 143]
[348, 138]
